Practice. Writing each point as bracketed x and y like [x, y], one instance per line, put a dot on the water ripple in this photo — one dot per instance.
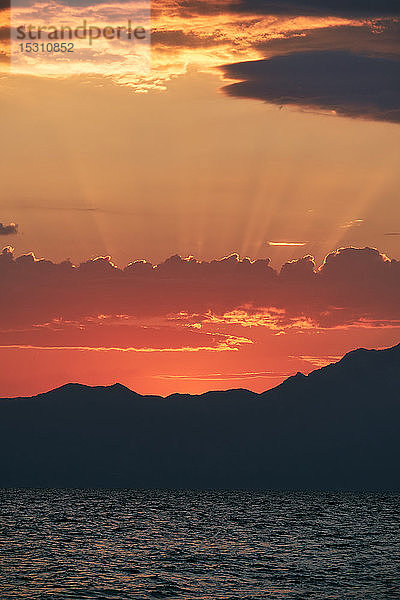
[139, 545]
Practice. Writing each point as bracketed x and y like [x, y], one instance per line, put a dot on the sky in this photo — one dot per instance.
[213, 207]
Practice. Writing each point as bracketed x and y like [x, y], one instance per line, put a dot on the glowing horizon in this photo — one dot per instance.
[229, 215]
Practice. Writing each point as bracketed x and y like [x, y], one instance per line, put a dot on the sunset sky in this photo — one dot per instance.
[222, 217]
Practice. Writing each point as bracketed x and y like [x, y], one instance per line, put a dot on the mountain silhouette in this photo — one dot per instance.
[336, 428]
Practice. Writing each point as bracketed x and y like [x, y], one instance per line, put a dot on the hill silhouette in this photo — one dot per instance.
[336, 428]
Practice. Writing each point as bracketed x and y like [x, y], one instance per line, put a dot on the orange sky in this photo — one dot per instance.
[90, 167]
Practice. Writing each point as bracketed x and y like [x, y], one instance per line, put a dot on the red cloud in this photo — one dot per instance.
[353, 285]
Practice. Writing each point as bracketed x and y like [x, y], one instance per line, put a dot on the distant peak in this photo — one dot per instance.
[355, 353]
[81, 387]
[288, 383]
[296, 377]
[71, 386]
[119, 387]
[359, 352]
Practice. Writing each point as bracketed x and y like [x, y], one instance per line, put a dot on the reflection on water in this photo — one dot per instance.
[117, 544]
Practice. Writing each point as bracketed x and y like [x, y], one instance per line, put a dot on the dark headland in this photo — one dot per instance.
[335, 429]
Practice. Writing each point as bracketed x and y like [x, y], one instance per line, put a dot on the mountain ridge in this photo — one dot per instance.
[117, 386]
[336, 428]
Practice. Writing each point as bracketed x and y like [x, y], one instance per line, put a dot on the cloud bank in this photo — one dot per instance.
[104, 302]
[338, 81]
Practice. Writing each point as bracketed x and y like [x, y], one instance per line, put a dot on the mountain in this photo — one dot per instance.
[336, 428]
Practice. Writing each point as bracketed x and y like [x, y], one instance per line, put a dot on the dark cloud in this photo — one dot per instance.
[353, 285]
[351, 8]
[352, 85]
[346, 8]
[378, 38]
[10, 229]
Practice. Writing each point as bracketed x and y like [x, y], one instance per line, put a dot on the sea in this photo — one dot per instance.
[63, 544]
